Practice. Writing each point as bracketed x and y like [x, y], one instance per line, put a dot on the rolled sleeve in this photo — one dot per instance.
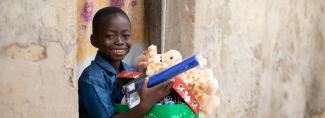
[95, 100]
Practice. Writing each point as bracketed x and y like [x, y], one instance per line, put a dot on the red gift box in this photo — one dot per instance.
[180, 87]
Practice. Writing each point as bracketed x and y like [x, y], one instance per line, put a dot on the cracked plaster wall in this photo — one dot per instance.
[39, 41]
[38, 59]
[269, 54]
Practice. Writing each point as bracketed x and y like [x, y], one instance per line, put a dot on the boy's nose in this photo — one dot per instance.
[119, 41]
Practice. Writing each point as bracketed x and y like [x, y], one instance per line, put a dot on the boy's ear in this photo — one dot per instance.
[93, 41]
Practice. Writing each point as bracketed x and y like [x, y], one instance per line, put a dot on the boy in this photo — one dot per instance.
[97, 85]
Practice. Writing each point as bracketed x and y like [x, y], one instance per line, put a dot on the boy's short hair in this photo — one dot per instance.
[106, 11]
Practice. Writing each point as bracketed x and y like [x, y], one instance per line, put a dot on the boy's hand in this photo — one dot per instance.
[151, 95]
[148, 98]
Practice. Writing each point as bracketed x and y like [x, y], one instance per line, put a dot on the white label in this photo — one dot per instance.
[134, 100]
[131, 87]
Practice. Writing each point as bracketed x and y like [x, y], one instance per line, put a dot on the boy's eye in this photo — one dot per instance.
[126, 35]
[110, 36]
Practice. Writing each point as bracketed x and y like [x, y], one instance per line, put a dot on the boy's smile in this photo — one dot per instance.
[119, 52]
[113, 37]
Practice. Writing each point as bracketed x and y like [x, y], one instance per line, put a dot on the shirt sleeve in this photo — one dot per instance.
[95, 100]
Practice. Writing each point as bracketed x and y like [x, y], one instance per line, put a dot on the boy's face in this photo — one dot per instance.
[113, 37]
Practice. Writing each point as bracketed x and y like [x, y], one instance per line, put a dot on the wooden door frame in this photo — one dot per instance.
[153, 18]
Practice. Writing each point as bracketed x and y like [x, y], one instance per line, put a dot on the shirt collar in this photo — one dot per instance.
[101, 61]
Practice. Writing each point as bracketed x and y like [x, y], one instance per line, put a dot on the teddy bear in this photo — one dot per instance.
[151, 62]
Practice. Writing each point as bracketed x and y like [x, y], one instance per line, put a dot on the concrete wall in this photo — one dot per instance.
[38, 59]
[43, 43]
[180, 16]
[269, 54]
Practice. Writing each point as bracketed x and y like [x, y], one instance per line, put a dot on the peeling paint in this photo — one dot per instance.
[117, 3]
[38, 53]
[87, 11]
[33, 52]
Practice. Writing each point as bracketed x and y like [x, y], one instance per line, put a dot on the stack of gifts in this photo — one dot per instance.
[193, 90]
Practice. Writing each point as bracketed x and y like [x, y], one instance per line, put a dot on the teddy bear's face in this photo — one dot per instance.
[172, 57]
[155, 65]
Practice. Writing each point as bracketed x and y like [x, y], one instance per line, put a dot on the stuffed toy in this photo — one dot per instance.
[150, 62]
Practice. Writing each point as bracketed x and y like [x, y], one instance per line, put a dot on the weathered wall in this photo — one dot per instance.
[43, 43]
[179, 26]
[38, 59]
[269, 53]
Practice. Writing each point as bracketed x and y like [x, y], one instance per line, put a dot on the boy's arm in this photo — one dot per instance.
[94, 101]
[149, 97]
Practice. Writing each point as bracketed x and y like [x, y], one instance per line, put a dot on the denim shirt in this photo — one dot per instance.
[98, 89]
